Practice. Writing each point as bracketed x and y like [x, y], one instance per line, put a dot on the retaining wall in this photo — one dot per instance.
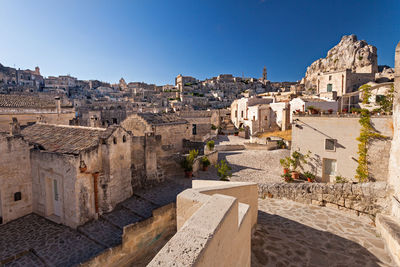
[365, 198]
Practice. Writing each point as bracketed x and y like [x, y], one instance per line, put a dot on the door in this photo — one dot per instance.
[56, 198]
[329, 170]
[329, 87]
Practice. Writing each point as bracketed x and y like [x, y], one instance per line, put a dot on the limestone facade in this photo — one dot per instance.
[333, 146]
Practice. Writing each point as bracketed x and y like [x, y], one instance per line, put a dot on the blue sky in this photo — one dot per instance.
[153, 41]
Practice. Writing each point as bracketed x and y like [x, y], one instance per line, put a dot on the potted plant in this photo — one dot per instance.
[340, 179]
[210, 145]
[345, 110]
[295, 160]
[309, 176]
[223, 170]
[285, 164]
[281, 144]
[187, 167]
[205, 162]
[287, 177]
[330, 111]
[355, 110]
[187, 163]
[236, 133]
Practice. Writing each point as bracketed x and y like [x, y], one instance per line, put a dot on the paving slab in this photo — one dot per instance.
[294, 234]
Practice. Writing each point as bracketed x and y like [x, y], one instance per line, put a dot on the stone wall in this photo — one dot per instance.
[214, 221]
[15, 177]
[365, 198]
[139, 240]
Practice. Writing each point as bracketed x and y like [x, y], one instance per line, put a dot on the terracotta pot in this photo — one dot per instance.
[83, 169]
[309, 179]
[236, 134]
[188, 174]
[285, 171]
[205, 168]
[295, 175]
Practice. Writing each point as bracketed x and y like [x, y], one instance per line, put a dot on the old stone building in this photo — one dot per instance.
[72, 173]
[31, 108]
[169, 132]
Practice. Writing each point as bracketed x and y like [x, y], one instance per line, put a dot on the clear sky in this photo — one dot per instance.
[153, 41]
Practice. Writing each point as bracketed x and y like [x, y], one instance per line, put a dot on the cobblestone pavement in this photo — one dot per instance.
[258, 166]
[35, 241]
[294, 234]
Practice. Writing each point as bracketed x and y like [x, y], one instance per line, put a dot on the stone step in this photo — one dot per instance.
[390, 232]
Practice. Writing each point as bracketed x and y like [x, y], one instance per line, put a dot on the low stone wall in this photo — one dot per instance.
[229, 147]
[214, 221]
[365, 198]
[139, 240]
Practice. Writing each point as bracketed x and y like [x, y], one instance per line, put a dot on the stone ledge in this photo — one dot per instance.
[390, 232]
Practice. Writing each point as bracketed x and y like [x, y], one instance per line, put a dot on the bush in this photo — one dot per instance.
[281, 144]
[340, 180]
[187, 163]
[205, 161]
[224, 170]
[287, 177]
[210, 145]
[213, 127]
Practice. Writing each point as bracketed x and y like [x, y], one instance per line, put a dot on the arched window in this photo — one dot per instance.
[124, 138]
[115, 140]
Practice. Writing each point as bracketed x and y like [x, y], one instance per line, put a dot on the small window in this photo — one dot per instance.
[254, 118]
[17, 196]
[194, 129]
[330, 144]
[115, 140]
[235, 113]
[124, 138]
[242, 113]
[330, 77]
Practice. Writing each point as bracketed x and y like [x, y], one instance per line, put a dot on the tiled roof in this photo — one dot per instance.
[25, 101]
[160, 119]
[65, 139]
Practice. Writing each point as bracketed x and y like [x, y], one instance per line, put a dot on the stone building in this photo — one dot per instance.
[333, 146]
[31, 108]
[72, 173]
[254, 113]
[182, 81]
[169, 132]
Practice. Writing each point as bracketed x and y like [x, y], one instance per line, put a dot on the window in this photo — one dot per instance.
[330, 77]
[115, 140]
[115, 121]
[194, 129]
[124, 138]
[329, 87]
[330, 144]
[235, 113]
[17, 196]
[254, 118]
[242, 113]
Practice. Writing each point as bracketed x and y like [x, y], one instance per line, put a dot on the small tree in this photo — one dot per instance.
[224, 170]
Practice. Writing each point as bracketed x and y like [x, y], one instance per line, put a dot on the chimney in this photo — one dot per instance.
[58, 104]
[15, 128]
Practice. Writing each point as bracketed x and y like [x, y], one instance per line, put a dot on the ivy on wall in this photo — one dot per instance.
[367, 133]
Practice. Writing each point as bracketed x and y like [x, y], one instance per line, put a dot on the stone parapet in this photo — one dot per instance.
[366, 198]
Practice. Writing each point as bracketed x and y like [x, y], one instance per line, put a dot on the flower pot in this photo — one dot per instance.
[236, 134]
[83, 169]
[285, 171]
[309, 180]
[205, 168]
[188, 174]
[295, 175]
[288, 179]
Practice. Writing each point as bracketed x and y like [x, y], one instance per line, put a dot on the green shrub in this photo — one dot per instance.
[287, 177]
[309, 175]
[205, 161]
[340, 180]
[213, 127]
[224, 170]
[210, 145]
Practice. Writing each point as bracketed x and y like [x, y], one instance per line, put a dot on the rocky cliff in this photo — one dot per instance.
[349, 53]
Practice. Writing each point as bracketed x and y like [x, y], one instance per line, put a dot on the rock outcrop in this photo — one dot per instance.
[350, 53]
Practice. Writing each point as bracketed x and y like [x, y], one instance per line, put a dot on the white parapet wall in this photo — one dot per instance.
[214, 221]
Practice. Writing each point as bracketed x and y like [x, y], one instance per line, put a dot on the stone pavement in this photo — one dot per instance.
[294, 234]
[35, 241]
